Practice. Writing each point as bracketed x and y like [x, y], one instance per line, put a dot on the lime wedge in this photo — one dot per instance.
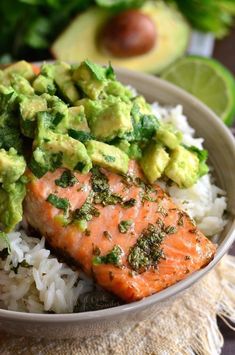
[208, 80]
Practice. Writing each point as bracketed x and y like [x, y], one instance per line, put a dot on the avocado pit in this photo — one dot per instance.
[128, 34]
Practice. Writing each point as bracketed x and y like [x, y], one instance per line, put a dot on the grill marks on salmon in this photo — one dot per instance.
[183, 250]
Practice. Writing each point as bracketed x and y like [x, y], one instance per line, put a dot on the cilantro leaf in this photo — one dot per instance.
[66, 179]
[99, 72]
[144, 126]
[124, 226]
[50, 163]
[81, 136]
[59, 202]
[113, 257]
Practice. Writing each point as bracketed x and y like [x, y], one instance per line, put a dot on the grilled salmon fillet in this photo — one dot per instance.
[136, 242]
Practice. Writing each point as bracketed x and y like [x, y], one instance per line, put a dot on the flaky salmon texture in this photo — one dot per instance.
[136, 242]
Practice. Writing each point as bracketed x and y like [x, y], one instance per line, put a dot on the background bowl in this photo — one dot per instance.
[221, 146]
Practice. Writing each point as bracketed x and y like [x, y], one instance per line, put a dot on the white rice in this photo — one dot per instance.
[46, 285]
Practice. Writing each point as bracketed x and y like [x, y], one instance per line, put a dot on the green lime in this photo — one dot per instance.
[208, 80]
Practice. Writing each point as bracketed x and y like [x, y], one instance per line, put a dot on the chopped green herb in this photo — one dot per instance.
[107, 235]
[144, 126]
[53, 161]
[100, 186]
[81, 224]
[124, 226]
[180, 221]
[57, 119]
[87, 211]
[99, 181]
[129, 203]
[96, 250]
[170, 229]
[113, 257]
[109, 158]
[80, 166]
[66, 179]
[147, 250]
[81, 136]
[107, 198]
[162, 211]
[87, 232]
[22, 264]
[58, 202]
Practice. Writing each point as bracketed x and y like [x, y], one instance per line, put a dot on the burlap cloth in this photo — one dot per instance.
[187, 325]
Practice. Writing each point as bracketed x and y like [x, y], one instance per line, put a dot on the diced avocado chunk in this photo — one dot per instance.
[202, 155]
[43, 84]
[168, 136]
[154, 161]
[21, 85]
[55, 149]
[108, 118]
[59, 113]
[12, 166]
[11, 198]
[115, 88]
[142, 105]
[63, 79]
[107, 156]
[29, 107]
[77, 119]
[22, 68]
[183, 167]
[91, 78]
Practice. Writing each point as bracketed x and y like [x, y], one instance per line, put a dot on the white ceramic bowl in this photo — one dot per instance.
[221, 146]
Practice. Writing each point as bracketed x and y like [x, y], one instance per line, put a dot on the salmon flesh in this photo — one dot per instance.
[129, 236]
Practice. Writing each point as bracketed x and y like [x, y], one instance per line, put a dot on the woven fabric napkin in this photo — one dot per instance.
[186, 325]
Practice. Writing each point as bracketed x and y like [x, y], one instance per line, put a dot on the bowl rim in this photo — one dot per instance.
[172, 290]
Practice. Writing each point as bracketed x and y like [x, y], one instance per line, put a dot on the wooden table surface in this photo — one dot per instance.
[225, 53]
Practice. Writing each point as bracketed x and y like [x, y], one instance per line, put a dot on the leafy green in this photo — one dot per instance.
[124, 226]
[120, 5]
[50, 163]
[144, 126]
[59, 202]
[87, 211]
[147, 251]
[66, 179]
[11, 137]
[113, 257]
[28, 27]
[81, 136]
[100, 186]
[100, 73]
[214, 16]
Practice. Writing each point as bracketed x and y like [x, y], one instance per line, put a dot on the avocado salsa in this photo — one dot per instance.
[79, 117]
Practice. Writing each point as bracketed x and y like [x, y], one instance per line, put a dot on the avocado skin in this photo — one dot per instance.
[77, 43]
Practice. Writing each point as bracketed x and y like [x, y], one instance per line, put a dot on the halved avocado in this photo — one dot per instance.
[81, 39]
